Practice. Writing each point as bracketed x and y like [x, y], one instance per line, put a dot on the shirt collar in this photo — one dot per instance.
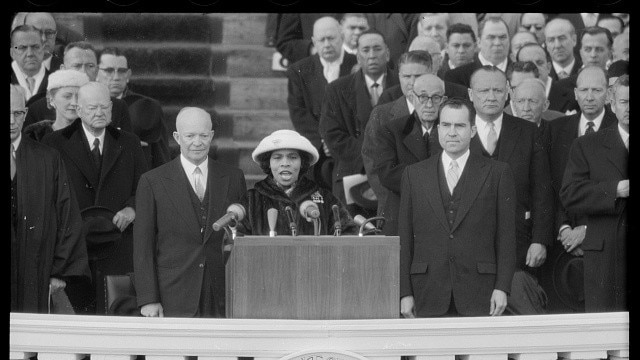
[558, 68]
[91, 137]
[22, 78]
[348, 49]
[409, 105]
[16, 142]
[370, 81]
[483, 126]
[189, 167]
[337, 62]
[597, 121]
[462, 160]
[502, 66]
[623, 134]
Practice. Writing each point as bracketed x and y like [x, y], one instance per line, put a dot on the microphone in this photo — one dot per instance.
[336, 216]
[235, 212]
[366, 225]
[272, 217]
[309, 209]
[360, 220]
[292, 221]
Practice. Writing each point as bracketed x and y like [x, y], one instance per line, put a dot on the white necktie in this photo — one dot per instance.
[452, 175]
[375, 93]
[31, 82]
[492, 138]
[197, 177]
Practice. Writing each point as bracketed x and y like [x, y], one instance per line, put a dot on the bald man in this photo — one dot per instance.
[104, 165]
[179, 260]
[307, 80]
[530, 103]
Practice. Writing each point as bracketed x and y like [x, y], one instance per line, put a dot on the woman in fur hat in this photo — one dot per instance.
[285, 156]
[62, 95]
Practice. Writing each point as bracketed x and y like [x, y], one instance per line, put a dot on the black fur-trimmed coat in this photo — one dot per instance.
[266, 194]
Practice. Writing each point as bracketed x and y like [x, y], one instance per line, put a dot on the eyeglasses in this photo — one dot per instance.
[23, 48]
[111, 71]
[435, 99]
[19, 114]
[48, 33]
[536, 26]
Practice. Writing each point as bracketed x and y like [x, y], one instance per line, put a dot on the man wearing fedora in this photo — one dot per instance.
[104, 165]
[147, 118]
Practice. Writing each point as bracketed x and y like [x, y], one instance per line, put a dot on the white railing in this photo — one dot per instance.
[71, 337]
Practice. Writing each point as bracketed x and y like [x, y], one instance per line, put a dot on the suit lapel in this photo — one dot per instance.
[363, 100]
[177, 190]
[617, 154]
[432, 188]
[217, 186]
[78, 151]
[509, 135]
[399, 108]
[475, 173]
[608, 119]
[111, 152]
[413, 140]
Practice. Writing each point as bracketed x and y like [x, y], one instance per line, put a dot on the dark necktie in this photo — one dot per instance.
[590, 129]
[375, 95]
[97, 158]
[425, 139]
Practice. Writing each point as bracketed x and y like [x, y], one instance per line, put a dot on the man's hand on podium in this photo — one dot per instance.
[152, 310]
[408, 307]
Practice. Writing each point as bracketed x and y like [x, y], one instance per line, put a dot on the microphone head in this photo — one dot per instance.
[309, 209]
[359, 220]
[272, 217]
[237, 209]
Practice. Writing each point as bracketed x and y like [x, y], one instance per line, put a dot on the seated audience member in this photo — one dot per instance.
[353, 25]
[518, 40]
[533, 23]
[47, 25]
[147, 119]
[520, 71]
[62, 96]
[47, 249]
[530, 103]
[307, 81]
[80, 56]
[560, 41]
[285, 156]
[27, 53]
[596, 185]
[460, 48]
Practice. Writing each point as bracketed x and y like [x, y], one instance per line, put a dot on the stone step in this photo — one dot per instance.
[149, 27]
[258, 93]
[197, 59]
[244, 28]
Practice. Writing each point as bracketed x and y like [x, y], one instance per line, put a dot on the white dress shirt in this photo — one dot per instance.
[91, 138]
[502, 66]
[483, 129]
[380, 82]
[349, 50]
[22, 79]
[462, 161]
[189, 168]
[559, 68]
[623, 134]
[331, 70]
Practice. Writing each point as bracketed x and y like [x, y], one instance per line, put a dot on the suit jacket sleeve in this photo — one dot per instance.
[144, 245]
[333, 130]
[582, 195]
[70, 258]
[300, 112]
[386, 163]
[542, 211]
[290, 42]
[405, 231]
[506, 230]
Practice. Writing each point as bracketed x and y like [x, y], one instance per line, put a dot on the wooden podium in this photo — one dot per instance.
[313, 277]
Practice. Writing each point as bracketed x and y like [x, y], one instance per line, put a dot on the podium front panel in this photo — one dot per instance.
[314, 277]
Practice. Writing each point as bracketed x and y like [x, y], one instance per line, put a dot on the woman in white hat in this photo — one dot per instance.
[285, 156]
[62, 95]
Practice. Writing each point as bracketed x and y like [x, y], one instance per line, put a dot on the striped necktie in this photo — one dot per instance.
[453, 175]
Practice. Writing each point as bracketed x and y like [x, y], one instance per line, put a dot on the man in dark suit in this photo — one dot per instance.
[596, 185]
[45, 220]
[179, 261]
[448, 264]
[347, 105]
[47, 25]
[147, 118]
[79, 56]
[560, 98]
[561, 40]
[530, 103]
[307, 80]
[494, 50]
[293, 35]
[591, 92]
[104, 165]
[461, 48]
[397, 29]
[411, 65]
[513, 140]
[405, 140]
[519, 73]
[27, 53]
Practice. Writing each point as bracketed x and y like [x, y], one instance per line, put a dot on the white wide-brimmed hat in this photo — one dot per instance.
[285, 139]
[63, 78]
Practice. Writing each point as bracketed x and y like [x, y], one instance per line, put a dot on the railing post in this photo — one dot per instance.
[19, 355]
[618, 354]
[60, 356]
[483, 357]
[534, 356]
[433, 357]
[111, 357]
[583, 355]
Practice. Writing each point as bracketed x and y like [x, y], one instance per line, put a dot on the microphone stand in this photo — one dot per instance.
[361, 232]
[316, 227]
